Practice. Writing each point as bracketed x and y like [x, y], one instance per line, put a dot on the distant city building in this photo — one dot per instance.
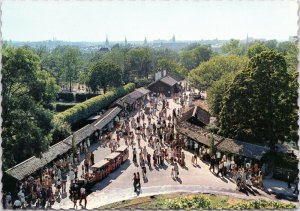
[173, 39]
[104, 49]
[293, 38]
[125, 41]
[145, 41]
[106, 42]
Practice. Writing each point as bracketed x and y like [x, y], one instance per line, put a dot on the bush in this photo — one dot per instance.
[65, 96]
[60, 131]
[196, 202]
[81, 97]
[141, 82]
[63, 106]
[87, 108]
[262, 204]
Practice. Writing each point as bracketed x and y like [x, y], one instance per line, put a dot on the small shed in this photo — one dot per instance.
[166, 85]
[197, 116]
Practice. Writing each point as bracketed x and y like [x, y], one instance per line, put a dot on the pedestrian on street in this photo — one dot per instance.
[176, 170]
[134, 155]
[212, 163]
[83, 196]
[149, 160]
[134, 182]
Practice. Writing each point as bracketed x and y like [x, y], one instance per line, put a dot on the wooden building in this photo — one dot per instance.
[166, 85]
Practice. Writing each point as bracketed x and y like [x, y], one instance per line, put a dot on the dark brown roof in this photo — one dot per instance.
[107, 117]
[196, 133]
[197, 112]
[31, 165]
[202, 115]
[203, 136]
[168, 80]
[242, 148]
[143, 90]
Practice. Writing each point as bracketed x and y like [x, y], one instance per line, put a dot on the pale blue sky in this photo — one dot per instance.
[188, 20]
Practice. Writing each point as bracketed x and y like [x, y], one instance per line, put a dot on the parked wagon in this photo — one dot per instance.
[124, 152]
[115, 160]
[100, 171]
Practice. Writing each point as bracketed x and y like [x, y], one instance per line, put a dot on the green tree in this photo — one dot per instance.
[255, 106]
[188, 59]
[171, 67]
[104, 74]
[141, 61]
[256, 48]
[27, 91]
[233, 47]
[271, 44]
[194, 55]
[71, 65]
[216, 92]
[203, 76]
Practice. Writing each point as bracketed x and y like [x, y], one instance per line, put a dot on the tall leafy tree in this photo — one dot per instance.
[256, 48]
[27, 92]
[171, 67]
[233, 47]
[216, 92]
[104, 74]
[255, 106]
[141, 61]
[71, 64]
[203, 76]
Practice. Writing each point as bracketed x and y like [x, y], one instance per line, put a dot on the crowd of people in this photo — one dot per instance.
[152, 127]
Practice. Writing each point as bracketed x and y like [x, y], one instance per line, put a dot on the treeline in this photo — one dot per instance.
[252, 90]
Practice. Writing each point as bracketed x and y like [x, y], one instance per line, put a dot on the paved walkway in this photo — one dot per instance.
[118, 185]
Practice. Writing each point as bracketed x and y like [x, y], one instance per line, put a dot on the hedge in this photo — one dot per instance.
[63, 106]
[80, 97]
[141, 82]
[89, 107]
[65, 96]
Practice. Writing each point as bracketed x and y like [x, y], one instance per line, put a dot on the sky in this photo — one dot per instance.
[187, 20]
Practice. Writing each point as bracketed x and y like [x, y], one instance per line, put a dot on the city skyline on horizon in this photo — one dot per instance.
[92, 21]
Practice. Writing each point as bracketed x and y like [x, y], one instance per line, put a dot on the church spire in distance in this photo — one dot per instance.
[106, 41]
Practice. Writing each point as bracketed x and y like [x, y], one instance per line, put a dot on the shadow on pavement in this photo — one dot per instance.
[185, 167]
[179, 180]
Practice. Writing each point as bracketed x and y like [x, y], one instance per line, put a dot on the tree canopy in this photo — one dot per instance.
[104, 74]
[255, 107]
[27, 92]
[206, 73]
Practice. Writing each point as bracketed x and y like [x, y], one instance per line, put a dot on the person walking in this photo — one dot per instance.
[143, 168]
[134, 182]
[149, 160]
[83, 196]
[176, 170]
[134, 155]
[92, 158]
[212, 163]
